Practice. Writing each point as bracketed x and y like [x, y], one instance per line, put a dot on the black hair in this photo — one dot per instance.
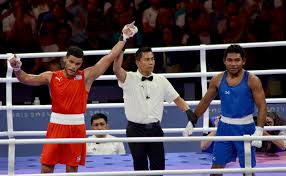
[98, 116]
[268, 146]
[234, 49]
[278, 121]
[75, 51]
[140, 52]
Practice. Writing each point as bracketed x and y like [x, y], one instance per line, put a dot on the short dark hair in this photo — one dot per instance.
[140, 52]
[98, 116]
[75, 51]
[234, 49]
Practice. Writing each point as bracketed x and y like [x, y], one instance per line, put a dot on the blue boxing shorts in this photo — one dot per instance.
[226, 151]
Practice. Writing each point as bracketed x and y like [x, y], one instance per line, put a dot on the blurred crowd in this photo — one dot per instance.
[54, 25]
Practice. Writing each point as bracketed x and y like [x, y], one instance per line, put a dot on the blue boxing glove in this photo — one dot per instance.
[192, 118]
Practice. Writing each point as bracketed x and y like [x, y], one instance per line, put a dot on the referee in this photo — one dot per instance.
[144, 93]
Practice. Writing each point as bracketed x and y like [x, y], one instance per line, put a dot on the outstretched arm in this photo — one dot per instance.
[279, 143]
[118, 70]
[34, 80]
[181, 104]
[29, 79]
[206, 144]
[202, 106]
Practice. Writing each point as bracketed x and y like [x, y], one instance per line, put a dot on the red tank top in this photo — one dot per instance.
[68, 95]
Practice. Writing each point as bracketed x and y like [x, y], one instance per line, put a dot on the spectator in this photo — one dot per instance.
[149, 17]
[273, 119]
[207, 146]
[79, 14]
[18, 27]
[100, 122]
[38, 7]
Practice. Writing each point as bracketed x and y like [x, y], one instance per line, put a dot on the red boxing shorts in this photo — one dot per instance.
[65, 126]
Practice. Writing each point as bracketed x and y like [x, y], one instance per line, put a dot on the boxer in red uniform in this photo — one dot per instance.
[69, 91]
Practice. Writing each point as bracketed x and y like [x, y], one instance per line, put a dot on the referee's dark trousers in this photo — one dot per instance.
[142, 151]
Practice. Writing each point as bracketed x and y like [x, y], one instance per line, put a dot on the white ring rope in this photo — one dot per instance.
[123, 131]
[120, 105]
[167, 172]
[176, 75]
[141, 139]
[155, 49]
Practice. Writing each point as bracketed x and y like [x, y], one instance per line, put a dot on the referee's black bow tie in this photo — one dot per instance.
[150, 78]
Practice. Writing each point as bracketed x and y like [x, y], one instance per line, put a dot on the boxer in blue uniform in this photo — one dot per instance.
[239, 92]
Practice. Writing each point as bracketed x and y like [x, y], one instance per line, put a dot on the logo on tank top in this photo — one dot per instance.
[78, 77]
[78, 159]
[58, 78]
[226, 92]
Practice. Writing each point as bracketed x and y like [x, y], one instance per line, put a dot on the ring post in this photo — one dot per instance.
[11, 157]
[247, 155]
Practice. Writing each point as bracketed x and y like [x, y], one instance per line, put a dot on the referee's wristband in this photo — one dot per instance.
[125, 46]
[121, 38]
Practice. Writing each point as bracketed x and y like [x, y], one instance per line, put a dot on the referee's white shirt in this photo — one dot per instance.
[143, 100]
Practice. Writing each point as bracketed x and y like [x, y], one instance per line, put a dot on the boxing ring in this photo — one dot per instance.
[176, 164]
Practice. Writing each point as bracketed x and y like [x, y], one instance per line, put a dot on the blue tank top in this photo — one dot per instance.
[236, 101]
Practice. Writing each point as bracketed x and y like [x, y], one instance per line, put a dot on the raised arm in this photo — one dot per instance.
[118, 70]
[29, 79]
[91, 73]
